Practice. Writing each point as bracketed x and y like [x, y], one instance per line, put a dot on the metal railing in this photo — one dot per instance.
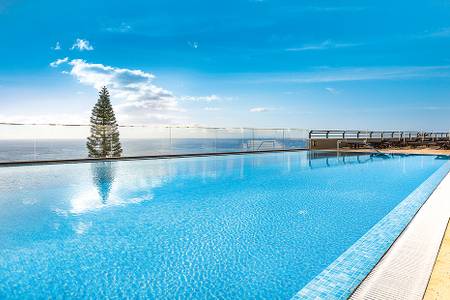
[382, 135]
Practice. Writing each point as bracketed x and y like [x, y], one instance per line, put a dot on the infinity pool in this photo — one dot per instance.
[233, 227]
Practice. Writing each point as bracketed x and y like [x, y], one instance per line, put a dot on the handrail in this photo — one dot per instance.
[152, 126]
[365, 134]
[315, 133]
[268, 141]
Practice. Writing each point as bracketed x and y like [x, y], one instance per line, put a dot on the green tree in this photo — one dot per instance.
[104, 139]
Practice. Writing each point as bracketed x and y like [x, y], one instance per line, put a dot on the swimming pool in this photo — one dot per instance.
[234, 227]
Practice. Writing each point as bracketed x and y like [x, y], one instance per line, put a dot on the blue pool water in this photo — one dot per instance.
[234, 227]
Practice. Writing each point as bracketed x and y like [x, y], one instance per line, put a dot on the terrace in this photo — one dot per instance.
[388, 140]
[393, 258]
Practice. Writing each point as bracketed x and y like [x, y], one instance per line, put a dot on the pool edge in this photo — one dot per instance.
[342, 277]
[189, 155]
[140, 157]
[404, 271]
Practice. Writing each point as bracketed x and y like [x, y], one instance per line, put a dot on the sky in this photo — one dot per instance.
[263, 63]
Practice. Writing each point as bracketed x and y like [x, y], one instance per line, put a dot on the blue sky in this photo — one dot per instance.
[304, 64]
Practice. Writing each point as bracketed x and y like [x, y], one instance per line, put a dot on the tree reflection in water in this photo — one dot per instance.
[103, 177]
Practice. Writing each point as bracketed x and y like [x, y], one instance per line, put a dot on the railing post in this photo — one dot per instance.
[170, 139]
[242, 140]
[215, 140]
[34, 148]
[253, 139]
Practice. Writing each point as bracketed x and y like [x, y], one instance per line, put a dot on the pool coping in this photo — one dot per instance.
[139, 157]
[404, 271]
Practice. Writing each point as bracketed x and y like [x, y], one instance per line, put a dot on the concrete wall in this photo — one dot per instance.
[332, 143]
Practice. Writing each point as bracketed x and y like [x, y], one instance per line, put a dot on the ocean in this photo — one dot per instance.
[49, 149]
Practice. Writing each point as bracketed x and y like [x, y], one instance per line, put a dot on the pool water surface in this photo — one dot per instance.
[234, 227]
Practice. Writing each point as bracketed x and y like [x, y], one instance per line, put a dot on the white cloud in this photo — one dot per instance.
[193, 44]
[258, 109]
[209, 98]
[58, 62]
[334, 8]
[442, 33]
[212, 108]
[57, 46]
[59, 118]
[122, 28]
[82, 45]
[332, 90]
[137, 99]
[328, 44]
[327, 74]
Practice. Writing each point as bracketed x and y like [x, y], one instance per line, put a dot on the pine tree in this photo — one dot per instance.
[104, 139]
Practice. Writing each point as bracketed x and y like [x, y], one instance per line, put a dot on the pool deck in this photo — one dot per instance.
[404, 271]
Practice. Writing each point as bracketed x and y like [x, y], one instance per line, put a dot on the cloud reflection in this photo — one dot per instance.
[109, 189]
[114, 184]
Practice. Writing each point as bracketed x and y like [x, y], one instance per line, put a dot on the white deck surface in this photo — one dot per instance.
[404, 271]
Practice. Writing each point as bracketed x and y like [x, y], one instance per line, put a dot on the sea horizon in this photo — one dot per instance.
[57, 149]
